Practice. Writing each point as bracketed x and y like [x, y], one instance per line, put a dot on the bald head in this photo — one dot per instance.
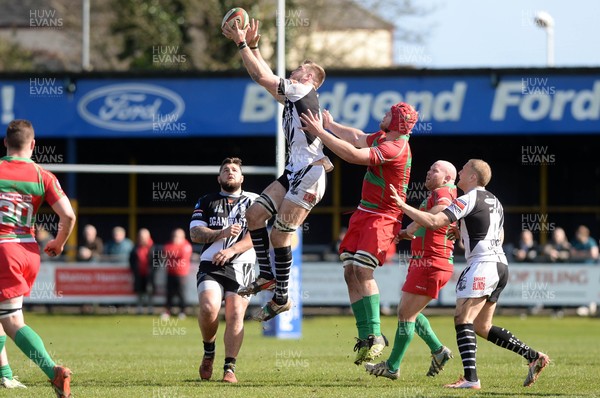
[440, 173]
[448, 168]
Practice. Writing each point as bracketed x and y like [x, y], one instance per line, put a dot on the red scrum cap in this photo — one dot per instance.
[404, 118]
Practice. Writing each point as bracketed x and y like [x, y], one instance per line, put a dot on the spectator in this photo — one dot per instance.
[91, 248]
[178, 254]
[120, 247]
[584, 248]
[559, 249]
[527, 249]
[140, 262]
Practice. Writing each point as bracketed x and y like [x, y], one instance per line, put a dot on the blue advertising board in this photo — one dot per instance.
[193, 106]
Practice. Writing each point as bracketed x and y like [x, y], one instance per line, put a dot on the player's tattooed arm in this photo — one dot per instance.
[205, 235]
[255, 76]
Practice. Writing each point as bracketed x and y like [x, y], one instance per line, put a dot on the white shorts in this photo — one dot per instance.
[306, 186]
[486, 278]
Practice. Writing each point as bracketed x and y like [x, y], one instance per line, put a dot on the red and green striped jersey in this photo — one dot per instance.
[390, 163]
[23, 188]
[434, 243]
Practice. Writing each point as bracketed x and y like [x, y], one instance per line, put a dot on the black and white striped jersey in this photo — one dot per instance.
[302, 148]
[218, 211]
[481, 227]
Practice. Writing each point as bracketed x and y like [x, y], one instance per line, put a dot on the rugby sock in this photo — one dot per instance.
[360, 314]
[404, 335]
[229, 364]
[283, 265]
[6, 371]
[505, 339]
[424, 330]
[466, 339]
[209, 349]
[32, 345]
[260, 240]
[372, 309]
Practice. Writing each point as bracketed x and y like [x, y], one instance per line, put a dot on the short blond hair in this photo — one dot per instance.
[482, 170]
[317, 70]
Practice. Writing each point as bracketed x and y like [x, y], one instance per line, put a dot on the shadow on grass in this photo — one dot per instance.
[280, 383]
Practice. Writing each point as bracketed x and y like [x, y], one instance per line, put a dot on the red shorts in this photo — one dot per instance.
[19, 266]
[424, 278]
[371, 233]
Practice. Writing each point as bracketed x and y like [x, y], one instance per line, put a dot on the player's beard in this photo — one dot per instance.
[383, 127]
[230, 186]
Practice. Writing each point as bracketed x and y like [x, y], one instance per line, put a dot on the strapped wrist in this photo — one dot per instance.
[242, 45]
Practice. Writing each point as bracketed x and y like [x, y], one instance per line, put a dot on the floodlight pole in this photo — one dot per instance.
[85, 33]
[545, 21]
[550, 45]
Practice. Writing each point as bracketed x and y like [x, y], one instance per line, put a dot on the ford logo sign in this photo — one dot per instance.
[130, 107]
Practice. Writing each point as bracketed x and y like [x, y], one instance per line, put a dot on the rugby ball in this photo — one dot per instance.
[236, 14]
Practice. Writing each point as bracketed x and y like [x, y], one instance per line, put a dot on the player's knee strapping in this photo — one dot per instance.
[347, 258]
[265, 201]
[283, 226]
[364, 259]
[10, 309]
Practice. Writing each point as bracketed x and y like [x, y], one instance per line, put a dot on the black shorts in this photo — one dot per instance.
[229, 285]
[230, 276]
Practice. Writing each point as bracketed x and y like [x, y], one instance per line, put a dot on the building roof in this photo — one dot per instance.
[18, 13]
[340, 15]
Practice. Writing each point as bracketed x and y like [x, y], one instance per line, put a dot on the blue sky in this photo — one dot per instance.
[485, 33]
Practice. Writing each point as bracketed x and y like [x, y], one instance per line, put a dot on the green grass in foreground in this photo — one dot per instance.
[129, 356]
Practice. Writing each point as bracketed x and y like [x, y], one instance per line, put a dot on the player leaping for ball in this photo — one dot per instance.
[302, 185]
[377, 219]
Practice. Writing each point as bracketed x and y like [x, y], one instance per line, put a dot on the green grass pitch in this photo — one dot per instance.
[141, 356]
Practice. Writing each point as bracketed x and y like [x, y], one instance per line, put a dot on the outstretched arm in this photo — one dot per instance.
[409, 231]
[351, 135]
[343, 149]
[428, 220]
[252, 38]
[256, 67]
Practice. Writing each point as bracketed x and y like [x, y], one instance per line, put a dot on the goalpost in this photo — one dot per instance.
[150, 169]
